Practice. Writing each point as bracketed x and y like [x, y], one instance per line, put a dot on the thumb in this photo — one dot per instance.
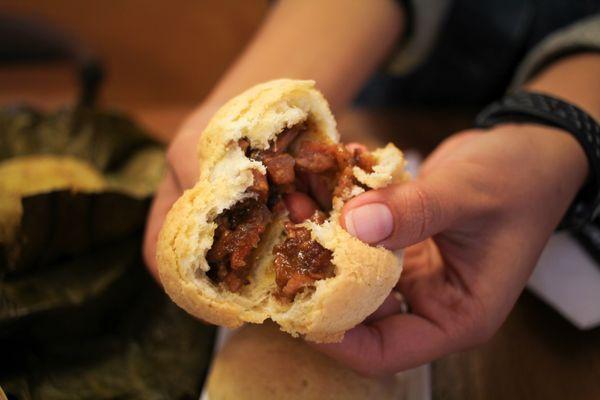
[401, 215]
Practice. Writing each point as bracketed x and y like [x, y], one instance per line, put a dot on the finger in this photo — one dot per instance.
[420, 258]
[446, 149]
[393, 304]
[182, 153]
[396, 343]
[402, 215]
[300, 206]
[184, 160]
[166, 195]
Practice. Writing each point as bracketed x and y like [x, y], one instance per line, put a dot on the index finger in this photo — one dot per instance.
[168, 192]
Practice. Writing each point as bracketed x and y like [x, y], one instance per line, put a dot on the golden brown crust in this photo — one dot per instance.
[260, 113]
[198, 296]
[258, 362]
[364, 275]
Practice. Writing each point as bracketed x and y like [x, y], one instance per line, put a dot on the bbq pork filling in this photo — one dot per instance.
[291, 161]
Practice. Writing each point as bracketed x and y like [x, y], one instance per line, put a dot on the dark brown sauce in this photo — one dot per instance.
[298, 260]
[238, 232]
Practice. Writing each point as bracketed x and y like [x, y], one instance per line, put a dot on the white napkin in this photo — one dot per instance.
[568, 279]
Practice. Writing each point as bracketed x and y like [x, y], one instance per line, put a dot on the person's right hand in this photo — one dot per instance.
[476, 220]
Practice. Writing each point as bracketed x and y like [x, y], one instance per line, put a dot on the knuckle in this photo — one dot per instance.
[427, 212]
[475, 328]
[367, 370]
[172, 154]
[458, 138]
[480, 333]
[180, 146]
[430, 208]
[416, 211]
[478, 193]
[468, 322]
[370, 359]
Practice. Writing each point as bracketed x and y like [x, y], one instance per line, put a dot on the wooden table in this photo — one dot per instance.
[535, 355]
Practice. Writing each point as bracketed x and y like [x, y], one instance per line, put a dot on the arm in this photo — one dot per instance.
[337, 43]
[575, 79]
[490, 200]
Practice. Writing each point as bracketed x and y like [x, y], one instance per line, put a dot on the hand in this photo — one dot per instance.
[476, 220]
[182, 173]
[365, 31]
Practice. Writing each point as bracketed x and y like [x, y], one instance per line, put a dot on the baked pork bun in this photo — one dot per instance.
[260, 363]
[228, 253]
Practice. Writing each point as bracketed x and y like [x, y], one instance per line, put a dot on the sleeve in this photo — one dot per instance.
[583, 35]
[424, 22]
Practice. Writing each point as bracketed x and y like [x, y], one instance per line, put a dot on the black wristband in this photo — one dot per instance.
[546, 110]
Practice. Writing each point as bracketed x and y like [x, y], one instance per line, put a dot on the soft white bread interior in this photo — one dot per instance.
[364, 275]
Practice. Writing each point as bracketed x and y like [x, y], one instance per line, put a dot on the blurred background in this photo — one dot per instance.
[156, 55]
[159, 59]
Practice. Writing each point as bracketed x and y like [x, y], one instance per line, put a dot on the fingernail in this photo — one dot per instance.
[371, 223]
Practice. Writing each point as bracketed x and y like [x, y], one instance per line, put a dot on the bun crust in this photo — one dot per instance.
[364, 275]
[258, 362]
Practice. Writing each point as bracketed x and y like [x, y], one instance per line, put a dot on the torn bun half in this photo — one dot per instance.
[228, 253]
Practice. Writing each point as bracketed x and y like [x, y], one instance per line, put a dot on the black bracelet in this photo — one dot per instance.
[546, 110]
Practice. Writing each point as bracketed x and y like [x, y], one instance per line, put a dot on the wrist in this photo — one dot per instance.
[573, 79]
[578, 126]
[552, 154]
